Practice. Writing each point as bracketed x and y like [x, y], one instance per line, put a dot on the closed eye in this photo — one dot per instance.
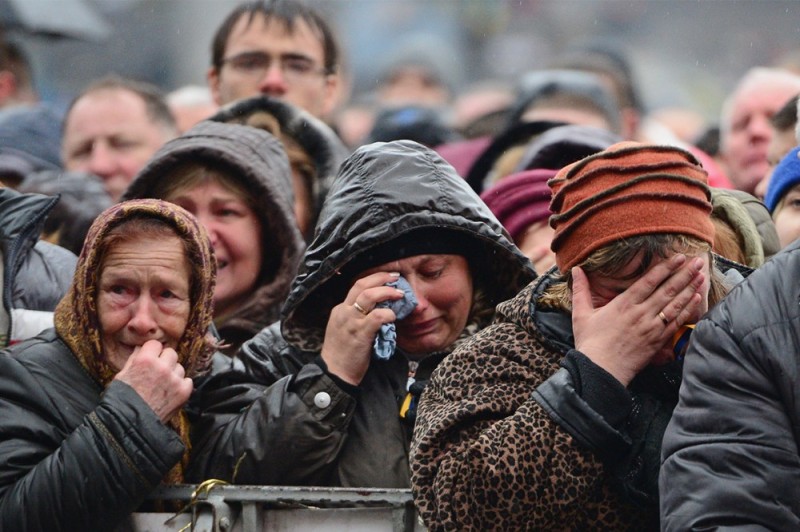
[80, 152]
[298, 65]
[123, 144]
[433, 274]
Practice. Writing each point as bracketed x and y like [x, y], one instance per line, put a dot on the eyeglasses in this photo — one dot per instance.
[295, 69]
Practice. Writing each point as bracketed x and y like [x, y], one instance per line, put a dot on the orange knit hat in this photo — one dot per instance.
[626, 190]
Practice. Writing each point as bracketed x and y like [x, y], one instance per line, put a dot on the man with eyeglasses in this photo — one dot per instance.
[279, 48]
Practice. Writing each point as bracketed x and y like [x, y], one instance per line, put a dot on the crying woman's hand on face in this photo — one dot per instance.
[153, 371]
[623, 324]
[353, 324]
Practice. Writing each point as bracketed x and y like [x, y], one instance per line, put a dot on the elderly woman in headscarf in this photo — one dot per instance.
[552, 417]
[407, 263]
[92, 410]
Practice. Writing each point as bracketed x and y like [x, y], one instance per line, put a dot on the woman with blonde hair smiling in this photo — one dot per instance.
[236, 180]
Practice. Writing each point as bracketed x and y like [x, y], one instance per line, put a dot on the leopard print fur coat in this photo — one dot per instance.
[487, 456]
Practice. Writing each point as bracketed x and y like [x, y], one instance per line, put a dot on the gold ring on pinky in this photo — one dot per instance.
[663, 317]
[360, 308]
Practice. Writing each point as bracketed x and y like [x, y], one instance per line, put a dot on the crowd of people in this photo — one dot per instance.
[543, 309]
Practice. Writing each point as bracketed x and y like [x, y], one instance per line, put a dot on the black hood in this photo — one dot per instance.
[382, 192]
[318, 140]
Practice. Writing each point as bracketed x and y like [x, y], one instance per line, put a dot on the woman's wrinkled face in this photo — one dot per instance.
[443, 287]
[604, 289]
[235, 233]
[143, 294]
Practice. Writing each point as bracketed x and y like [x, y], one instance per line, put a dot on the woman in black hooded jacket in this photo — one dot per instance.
[306, 401]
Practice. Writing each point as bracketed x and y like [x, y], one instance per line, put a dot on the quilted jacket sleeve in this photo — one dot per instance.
[54, 476]
[43, 278]
[279, 419]
[730, 450]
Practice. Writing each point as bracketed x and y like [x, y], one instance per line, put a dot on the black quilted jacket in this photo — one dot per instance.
[730, 451]
[73, 456]
[36, 274]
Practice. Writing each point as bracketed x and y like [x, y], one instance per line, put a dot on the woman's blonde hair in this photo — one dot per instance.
[187, 176]
[610, 259]
[727, 242]
[299, 160]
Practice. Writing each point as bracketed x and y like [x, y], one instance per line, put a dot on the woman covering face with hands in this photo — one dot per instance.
[317, 404]
[562, 402]
[92, 410]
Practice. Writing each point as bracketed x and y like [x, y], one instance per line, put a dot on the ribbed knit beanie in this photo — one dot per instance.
[785, 176]
[629, 189]
[520, 200]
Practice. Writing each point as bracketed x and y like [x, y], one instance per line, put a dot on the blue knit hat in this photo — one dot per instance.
[785, 176]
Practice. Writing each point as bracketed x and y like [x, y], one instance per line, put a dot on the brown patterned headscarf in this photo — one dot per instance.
[77, 321]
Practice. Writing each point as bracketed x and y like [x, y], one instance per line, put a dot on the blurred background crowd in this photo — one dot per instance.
[683, 53]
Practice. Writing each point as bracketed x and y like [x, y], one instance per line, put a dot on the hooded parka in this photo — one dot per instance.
[257, 160]
[315, 138]
[280, 417]
[35, 275]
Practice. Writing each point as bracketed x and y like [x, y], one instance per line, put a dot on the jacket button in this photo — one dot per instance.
[322, 400]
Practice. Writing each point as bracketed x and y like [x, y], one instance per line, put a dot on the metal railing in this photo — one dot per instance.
[217, 507]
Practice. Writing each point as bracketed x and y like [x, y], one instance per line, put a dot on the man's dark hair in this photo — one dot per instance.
[708, 141]
[785, 118]
[287, 12]
[154, 98]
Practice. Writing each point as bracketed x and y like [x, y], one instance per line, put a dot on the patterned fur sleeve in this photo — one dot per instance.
[486, 455]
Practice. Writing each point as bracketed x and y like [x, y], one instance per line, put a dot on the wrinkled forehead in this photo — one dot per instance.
[105, 97]
[762, 95]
